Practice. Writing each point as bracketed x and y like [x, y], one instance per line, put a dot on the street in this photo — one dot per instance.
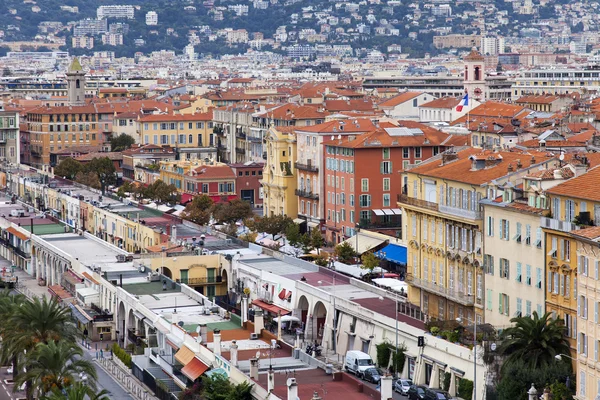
[397, 396]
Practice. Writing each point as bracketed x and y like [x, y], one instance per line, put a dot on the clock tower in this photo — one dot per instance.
[474, 75]
[76, 84]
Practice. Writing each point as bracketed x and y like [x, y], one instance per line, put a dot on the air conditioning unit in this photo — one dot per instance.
[254, 336]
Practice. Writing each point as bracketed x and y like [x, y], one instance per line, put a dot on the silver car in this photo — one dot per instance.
[402, 385]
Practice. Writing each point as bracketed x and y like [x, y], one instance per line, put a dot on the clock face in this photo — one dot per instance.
[477, 91]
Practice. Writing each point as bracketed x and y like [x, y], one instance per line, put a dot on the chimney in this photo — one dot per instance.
[519, 164]
[316, 396]
[254, 369]
[490, 162]
[174, 234]
[270, 380]
[510, 168]
[217, 342]
[233, 353]
[292, 391]
[204, 333]
[244, 308]
[386, 387]
[449, 156]
[259, 323]
[532, 160]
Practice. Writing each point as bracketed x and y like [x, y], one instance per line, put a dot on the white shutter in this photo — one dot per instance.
[578, 306]
[595, 350]
[578, 260]
[585, 307]
[596, 312]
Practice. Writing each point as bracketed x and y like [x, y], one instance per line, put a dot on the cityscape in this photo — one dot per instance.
[286, 200]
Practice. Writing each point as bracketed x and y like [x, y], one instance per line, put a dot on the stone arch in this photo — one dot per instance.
[130, 322]
[224, 276]
[303, 307]
[319, 320]
[121, 322]
[165, 271]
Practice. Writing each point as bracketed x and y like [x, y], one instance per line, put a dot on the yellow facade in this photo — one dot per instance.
[279, 180]
[445, 258]
[198, 105]
[204, 273]
[179, 131]
[172, 172]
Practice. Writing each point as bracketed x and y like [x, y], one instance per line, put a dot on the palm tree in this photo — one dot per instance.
[36, 321]
[55, 365]
[9, 303]
[77, 391]
[535, 340]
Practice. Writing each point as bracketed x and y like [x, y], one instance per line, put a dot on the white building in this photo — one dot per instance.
[151, 18]
[116, 11]
[492, 45]
[82, 42]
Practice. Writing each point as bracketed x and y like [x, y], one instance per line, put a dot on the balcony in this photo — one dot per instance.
[254, 139]
[558, 225]
[460, 212]
[306, 194]
[7, 243]
[209, 280]
[218, 130]
[133, 336]
[449, 294]
[240, 135]
[240, 150]
[411, 201]
[306, 167]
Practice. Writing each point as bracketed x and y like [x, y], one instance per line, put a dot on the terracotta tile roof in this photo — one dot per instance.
[461, 169]
[148, 149]
[111, 155]
[399, 99]
[582, 137]
[526, 208]
[444, 102]
[78, 149]
[474, 55]
[348, 105]
[491, 111]
[539, 99]
[340, 126]
[381, 137]
[582, 187]
[212, 172]
[578, 127]
[291, 112]
[208, 116]
[592, 233]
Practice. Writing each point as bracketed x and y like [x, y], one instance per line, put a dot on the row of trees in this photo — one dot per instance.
[39, 339]
[97, 173]
[202, 209]
[158, 191]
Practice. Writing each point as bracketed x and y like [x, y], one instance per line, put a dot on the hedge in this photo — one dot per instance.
[122, 355]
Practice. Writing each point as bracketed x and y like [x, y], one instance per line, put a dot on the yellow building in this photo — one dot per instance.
[279, 180]
[444, 228]
[206, 274]
[572, 261]
[190, 134]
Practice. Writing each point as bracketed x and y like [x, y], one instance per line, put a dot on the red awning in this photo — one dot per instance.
[288, 295]
[16, 233]
[282, 294]
[194, 369]
[270, 307]
[186, 198]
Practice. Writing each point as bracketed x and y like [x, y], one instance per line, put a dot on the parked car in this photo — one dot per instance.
[437, 394]
[417, 392]
[402, 386]
[371, 375]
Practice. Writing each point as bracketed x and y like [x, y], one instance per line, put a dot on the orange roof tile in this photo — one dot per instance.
[177, 117]
[582, 187]
[539, 99]
[444, 102]
[399, 99]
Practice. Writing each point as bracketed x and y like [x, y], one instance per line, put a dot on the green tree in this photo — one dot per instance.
[55, 366]
[218, 387]
[369, 261]
[160, 192]
[198, 210]
[292, 234]
[68, 168]
[274, 224]
[126, 189]
[89, 179]
[306, 243]
[9, 305]
[121, 142]
[232, 211]
[345, 252]
[518, 376]
[104, 169]
[317, 239]
[77, 391]
[36, 321]
[535, 339]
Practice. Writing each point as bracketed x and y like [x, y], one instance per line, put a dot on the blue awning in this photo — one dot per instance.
[79, 315]
[393, 253]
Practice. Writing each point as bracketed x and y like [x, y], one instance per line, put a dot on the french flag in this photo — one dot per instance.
[464, 102]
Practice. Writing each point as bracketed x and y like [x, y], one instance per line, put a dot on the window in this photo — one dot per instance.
[565, 249]
[553, 251]
[519, 307]
[386, 199]
[538, 238]
[582, 307]
[417, 152]
[488, 264]
[538, 277]
[490, 226]
[503, 303]
[528, 235]
[365, 200]
[386, 184]
[504, 229]
[518, 234]
[406, 152]
[364, 184]
[519, 273]
[386, 153]
[528, 275]
[528, 308]
[569, 210]
[386, 167]
[504, 268]
[583, 265]
[582, 344]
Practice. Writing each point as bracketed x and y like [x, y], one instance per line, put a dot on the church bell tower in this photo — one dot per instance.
[76, 84]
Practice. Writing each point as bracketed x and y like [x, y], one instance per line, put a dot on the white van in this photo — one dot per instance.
[17, 213]
[357, 362]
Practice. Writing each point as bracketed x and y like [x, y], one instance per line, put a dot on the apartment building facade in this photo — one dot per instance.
[279, 179]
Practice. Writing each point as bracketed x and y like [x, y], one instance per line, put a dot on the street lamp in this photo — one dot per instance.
[559, 357]
[460, 321]
[356, 235]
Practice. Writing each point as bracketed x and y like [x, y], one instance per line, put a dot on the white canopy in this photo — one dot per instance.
[392, 283]
[287, 318]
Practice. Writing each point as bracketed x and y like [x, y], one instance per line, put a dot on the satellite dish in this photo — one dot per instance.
[180, 323]
[562, 156]
[493, 346]
[258, 354]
